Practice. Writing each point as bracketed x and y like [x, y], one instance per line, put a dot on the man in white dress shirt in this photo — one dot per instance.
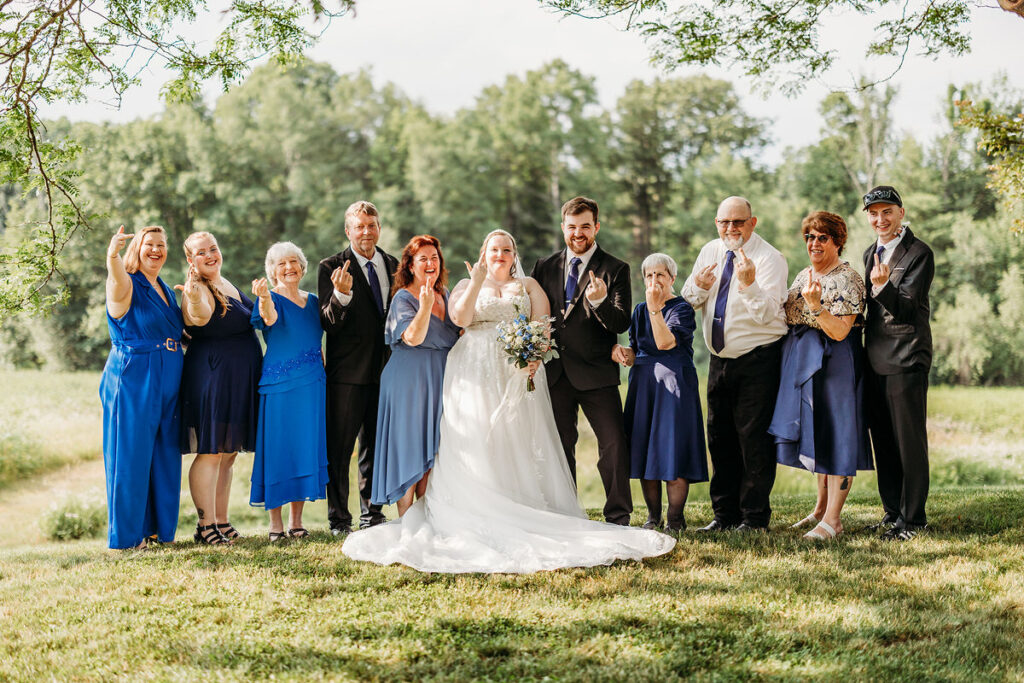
[354, 289]
[739, 282]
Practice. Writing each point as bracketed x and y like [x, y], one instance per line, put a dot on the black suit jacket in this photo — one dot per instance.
[898, 335]
[355, 350]
[585, 335]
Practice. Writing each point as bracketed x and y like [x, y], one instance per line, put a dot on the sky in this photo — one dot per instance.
[444, 52]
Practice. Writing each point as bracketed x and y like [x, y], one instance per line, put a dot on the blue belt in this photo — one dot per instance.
[148, 345]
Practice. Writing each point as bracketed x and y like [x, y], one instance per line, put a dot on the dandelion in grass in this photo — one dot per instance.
[524, 340]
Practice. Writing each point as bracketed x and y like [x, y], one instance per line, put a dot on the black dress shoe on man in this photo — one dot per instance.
[883, 525]
[903, 533]
[716, 526]
[340, 530]
[748, 529]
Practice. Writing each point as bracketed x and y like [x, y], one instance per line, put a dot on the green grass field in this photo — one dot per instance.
[947, 606]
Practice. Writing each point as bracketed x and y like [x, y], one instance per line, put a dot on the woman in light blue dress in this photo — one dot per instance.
[139, 393]
[420, 334]
[290, 464]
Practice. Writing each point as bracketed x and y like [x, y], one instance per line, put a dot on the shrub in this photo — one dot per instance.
[75, 518]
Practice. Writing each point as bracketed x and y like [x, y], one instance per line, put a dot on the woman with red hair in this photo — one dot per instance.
[420, 333]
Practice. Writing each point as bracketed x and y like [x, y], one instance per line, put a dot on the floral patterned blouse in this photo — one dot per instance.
[842, 293]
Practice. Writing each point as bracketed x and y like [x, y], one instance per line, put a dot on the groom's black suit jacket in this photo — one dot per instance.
[585, 335]
[355, 350]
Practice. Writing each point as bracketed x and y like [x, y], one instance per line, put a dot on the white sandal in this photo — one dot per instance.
[822, 532]
[809, 519]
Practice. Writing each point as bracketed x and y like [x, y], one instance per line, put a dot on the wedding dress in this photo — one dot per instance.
[500, 497]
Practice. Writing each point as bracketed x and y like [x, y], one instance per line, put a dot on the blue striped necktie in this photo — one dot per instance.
[718, 323]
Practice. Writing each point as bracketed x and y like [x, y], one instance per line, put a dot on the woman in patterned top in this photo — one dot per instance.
[818, 422]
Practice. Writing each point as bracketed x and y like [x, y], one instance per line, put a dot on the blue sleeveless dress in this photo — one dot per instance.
[219, 382]
[139, 393]
[409, 410]
[290, 463]
[662, 414]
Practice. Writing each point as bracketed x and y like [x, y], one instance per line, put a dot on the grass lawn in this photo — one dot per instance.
[947, 606]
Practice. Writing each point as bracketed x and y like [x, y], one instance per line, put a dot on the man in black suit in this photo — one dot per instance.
[590, 301]
[354, 288]
[899, 268]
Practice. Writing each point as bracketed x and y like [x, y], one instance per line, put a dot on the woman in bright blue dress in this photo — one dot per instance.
[818, 423]
[290, 464]
[218, 384]
[139, 393]
[420, 334]
[662, 414]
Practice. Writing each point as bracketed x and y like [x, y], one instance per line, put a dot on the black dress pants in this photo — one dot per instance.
[603, 409]
[351, 413]
[897, 409]
[741, 400]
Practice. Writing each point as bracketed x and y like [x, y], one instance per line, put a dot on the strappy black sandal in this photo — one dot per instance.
[298, 532]
[227, 531]
[208, 535]
[276, 536]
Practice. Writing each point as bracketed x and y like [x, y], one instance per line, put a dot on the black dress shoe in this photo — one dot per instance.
[883, 525]
[675, 526]
[341, 530]
[903, 533]
[748, 529]
[716, 526]
[652, 523]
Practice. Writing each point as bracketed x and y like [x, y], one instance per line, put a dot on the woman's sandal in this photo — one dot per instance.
[809, 519]
[822, 532]
[298, 532]
[276, 536]
[208, 535]
[229, 532]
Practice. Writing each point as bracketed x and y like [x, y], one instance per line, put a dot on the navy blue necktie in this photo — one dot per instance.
[371, 277]
[878, 252]
[574, 279]
[718, 323]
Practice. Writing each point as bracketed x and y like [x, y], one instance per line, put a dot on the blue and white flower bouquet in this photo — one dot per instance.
[525, 340]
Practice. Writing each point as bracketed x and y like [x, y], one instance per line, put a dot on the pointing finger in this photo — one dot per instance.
[180, 288]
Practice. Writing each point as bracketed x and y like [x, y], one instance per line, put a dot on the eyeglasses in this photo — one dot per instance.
[820, 239]
[731, 223]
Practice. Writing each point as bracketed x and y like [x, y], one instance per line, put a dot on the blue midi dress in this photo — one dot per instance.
[663, 419]
[409, 409]
[219, 382]
[139, 393]
[818, 422]
[290, 463]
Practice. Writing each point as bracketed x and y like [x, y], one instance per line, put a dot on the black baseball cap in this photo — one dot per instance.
[882, 194]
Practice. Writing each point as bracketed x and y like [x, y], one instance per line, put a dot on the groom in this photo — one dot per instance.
[588, 290]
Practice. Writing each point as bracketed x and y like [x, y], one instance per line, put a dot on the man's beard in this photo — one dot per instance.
[733, 243]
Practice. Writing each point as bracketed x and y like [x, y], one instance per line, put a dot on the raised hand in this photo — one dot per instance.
[623, 355]
[597, 288]
[880, 273]
[118, 241]
[745, 271]
[261, 288]
[656, 296]
[706, 277]
[812, 292]
[342, 279]
[192, 289]
[477, 272]
[427, 295]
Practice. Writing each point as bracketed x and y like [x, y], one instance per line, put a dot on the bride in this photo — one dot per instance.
[500, 497]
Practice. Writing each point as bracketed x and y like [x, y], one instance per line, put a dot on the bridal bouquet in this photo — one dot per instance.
[525, 340]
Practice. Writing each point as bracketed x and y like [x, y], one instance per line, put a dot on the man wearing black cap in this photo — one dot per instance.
[898, 341]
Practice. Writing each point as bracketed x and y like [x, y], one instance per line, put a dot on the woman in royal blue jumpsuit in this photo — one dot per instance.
[139, 393]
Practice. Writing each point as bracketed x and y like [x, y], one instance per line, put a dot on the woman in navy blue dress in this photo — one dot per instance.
[139, 393]
[218, 384]
[818, 422]
[290, 465]
[663, 418]
[420, 334]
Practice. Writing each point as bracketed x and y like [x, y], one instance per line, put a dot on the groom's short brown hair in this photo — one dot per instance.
[578, 205]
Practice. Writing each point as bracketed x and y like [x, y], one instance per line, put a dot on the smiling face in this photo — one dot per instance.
[658, 275]
[152, 253]
[288, 270]
[821, 250]
[580, 231]
[363, 231]
[734, 222]
[206, 257]
[886, 220]
[500, 256]
[426, 264]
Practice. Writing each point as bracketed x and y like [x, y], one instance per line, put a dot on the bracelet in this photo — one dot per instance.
[818, 312]
[657, 312]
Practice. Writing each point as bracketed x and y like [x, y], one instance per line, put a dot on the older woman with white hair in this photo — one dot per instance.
[290, 465]
[663, 418]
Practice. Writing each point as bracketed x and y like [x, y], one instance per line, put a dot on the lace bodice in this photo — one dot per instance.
[491, 310]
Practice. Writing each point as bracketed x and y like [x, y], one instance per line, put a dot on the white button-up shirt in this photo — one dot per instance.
[753, 316]
[382, 278]
[584, 261]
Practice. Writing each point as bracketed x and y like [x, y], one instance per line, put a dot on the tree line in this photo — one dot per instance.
[282, 155]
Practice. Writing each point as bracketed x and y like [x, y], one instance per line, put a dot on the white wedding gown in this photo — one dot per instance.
[500, 497]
